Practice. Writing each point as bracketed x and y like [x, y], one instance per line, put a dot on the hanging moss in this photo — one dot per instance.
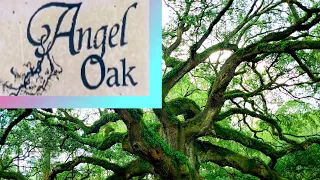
[12, 175]
[110, 116]
[173, 118]
[178, 159]
[105, 118]
[174, 71]
[137, 114]
[183, 106]
[171, 62]
[112, 138]
[241, 51]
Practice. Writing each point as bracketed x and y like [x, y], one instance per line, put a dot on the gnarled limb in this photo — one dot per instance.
[226, 157]
[108, 141]
[144, 143]
[103, 120]
[12, 175]
[134, 168]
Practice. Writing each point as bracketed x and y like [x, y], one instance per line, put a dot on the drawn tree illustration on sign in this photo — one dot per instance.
[240, 94]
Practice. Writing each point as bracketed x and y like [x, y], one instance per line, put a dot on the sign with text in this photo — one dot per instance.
[71, 52]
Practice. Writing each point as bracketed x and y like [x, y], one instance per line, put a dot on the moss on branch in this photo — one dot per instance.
[226, 157]
[183, 106]
[178, 159]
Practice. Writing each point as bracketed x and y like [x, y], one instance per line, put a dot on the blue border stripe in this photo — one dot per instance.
[154, 99]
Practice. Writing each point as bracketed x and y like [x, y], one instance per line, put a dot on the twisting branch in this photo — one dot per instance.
[226, 157]
[104, 119]
[135, 168]
[25, 114]
[12, 175]
[183, 26]
[101, 144]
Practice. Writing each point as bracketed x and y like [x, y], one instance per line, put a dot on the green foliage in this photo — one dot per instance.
[137, 114]
[212, 171]
[187, 88]
[150, 120]
[296, 117]
[301, 164]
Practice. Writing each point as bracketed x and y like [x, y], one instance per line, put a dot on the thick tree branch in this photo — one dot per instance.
[301, 6]
[134, 168]
[149, 146]
[225, 157]
[108, 140]
[215, 100]
[12, 175]
[298, 26]
[172, 77]
[231, 134]
[4, 136]
[279, 47]
[104, 119]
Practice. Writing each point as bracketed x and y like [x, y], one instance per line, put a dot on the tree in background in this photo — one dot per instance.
[240, 101]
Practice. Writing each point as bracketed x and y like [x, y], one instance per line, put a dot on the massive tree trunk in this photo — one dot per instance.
[174, 136]
[198, 152]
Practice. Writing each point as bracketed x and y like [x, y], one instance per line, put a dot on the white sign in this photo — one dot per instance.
[75, 48]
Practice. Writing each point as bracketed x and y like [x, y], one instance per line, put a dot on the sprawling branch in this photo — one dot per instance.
[172, 77]
[300, 25]
[182, 27]
[101, 144]
[225, 157]
[12, 175]
[244, 111]
[231, 134]
[135, 168]
[25, 114]
[227, 71]
[104, 119]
